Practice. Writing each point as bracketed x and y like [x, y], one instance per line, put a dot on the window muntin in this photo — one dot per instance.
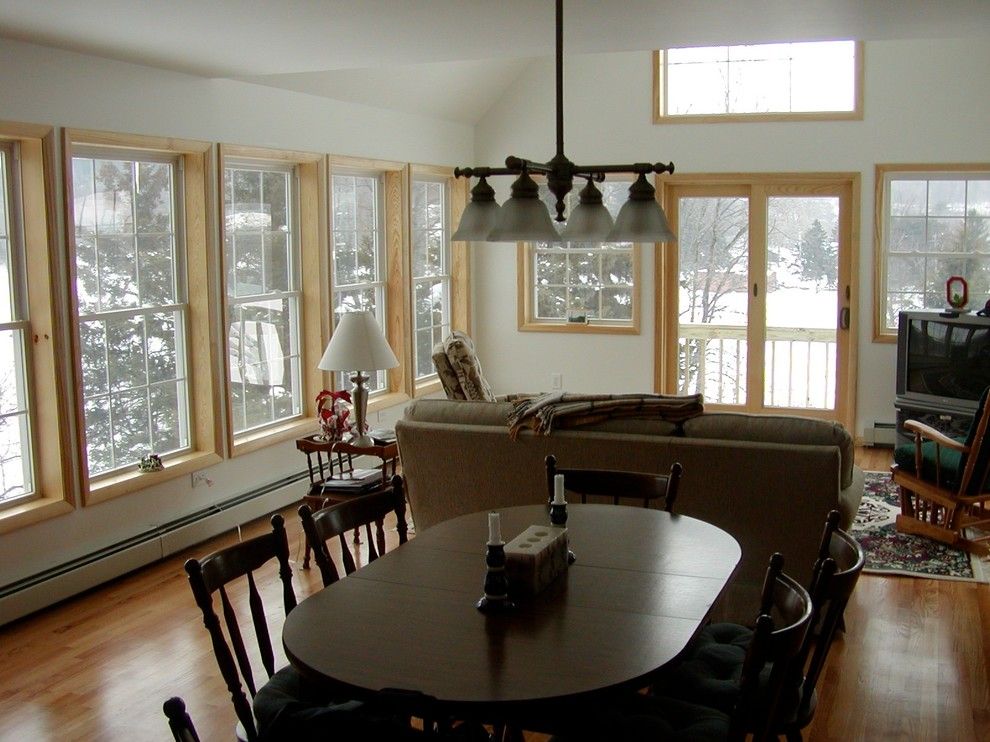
[791, 80]
[358, 256]
[132, 309]
[261, 251]
[934, 224]
[430, 271]
[16, 456]
[594, 280]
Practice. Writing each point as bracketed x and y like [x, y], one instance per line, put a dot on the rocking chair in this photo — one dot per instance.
[943, 483]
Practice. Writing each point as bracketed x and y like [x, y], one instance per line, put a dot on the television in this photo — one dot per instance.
[943, 363]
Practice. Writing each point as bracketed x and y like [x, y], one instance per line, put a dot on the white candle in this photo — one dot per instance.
[558, 489]
[494, 528]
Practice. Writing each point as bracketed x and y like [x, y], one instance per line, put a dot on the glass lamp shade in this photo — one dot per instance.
[358, 344]
[524, 217]
[477, 221]
[641, 219]
[589, 221]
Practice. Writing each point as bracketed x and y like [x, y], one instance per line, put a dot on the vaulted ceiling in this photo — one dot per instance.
[442, 58]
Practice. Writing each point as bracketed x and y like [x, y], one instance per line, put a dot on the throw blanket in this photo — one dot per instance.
[563, 410]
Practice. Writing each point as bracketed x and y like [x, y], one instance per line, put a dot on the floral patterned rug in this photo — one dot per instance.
[890, 552]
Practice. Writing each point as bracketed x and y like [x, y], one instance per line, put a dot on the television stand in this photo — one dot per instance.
[952, 422]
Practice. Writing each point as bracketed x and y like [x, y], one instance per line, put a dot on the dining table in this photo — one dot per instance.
[641, 586]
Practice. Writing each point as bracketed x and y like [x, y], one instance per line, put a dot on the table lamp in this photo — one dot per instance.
[357, 345]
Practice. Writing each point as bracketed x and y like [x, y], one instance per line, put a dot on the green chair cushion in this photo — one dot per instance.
[950, 461]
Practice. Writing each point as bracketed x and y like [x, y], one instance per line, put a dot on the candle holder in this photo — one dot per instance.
[496, 597]
[558, 513]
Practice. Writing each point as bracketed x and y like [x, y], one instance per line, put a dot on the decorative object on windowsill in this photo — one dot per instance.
[985, 312]
[577, 316]
[151, 462]
[524, 217]
[496, 597]
[358, 345]
[332, 412]
[957, 295]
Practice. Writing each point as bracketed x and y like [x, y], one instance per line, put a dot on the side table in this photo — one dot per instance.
[337, 457]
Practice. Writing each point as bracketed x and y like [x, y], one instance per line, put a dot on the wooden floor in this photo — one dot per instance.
[914, 664]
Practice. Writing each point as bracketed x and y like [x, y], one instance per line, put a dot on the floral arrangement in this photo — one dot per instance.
[332, 411]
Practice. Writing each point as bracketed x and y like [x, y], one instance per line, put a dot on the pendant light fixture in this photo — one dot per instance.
[524, 217]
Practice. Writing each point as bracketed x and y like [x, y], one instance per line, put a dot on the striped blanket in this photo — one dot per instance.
[561, 410]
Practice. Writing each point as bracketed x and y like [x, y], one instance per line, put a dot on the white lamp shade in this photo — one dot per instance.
[524, 220]
[477, 221]
[641, 221]
[587, 223]
[357, 344]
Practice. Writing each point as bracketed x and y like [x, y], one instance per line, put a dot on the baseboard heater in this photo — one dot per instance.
[58, 583]
[881, 434]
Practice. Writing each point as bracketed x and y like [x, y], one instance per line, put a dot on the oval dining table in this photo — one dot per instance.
[641, 586]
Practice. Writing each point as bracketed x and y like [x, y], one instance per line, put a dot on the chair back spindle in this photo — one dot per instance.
[616, 484]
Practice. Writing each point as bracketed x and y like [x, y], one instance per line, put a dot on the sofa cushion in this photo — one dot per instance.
[459, 349]
[459, 412]
[445, 372]
[776, 429]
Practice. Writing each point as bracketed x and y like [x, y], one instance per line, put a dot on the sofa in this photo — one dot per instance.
[768, 480]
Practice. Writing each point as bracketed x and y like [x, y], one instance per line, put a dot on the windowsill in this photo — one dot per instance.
[385, 401]
[430, 386]
[258, 439]
[591, 328]
[124, 483]
[742, 118]
[33, 512]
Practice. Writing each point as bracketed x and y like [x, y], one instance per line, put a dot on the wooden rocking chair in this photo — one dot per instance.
[943, 483]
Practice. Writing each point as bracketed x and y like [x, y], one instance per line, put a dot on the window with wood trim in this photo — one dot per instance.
[789, 81]
[35, 482]
[136, 211]
[581, 287]
[430, 270]
[933, 222]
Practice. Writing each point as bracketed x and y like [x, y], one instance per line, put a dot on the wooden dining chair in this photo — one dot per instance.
[775, 643]
[617, 485]
[179, 721]
[338, 520]
[943, 482]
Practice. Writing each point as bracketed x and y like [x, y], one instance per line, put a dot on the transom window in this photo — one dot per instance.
[934, 223]
[132, 311]
[358, 255]
[16, 461]
[261, 253]
[583, 284]
[430, 271]
[791, 80]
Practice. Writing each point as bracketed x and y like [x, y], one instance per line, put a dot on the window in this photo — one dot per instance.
[33, 479]
[136, 211]
[261, 255]
[359, 264]
[933, 222]
[585, 287]
[430, 270]
[16, 458]
[764, 81]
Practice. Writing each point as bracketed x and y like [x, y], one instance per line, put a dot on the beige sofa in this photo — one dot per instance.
[767, 480]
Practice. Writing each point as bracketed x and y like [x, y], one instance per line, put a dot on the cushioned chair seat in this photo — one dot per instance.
[288, 707]
[948, 461]
[641, 718]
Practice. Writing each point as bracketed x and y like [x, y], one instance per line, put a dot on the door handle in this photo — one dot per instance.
[844, 318]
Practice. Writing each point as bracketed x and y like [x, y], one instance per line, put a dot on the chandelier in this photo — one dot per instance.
[524, 216]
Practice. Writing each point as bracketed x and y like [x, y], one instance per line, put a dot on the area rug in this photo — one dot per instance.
[889, 552]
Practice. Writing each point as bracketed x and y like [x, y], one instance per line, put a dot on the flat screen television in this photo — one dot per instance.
[942, 362]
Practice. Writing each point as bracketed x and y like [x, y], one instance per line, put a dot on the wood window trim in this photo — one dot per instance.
[766, 184]
[49, 393]
[311, 179]
[881, 170]
[199, 180]
[659, 66]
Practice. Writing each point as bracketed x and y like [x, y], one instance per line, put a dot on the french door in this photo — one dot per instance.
[757, 302]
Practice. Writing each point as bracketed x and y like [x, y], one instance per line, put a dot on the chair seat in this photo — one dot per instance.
[639, 717]
[932, 458]
[710, 672]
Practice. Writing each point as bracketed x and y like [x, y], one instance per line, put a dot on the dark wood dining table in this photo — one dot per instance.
[641, 586]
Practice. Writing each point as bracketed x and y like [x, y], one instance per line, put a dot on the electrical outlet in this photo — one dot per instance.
[200, 477]
[557, 381]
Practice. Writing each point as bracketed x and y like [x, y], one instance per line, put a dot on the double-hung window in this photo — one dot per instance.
[261, 252]
[579, 286]
[933, 222]
[16, 457]
[142, 306]
[431, 258]
[359, 255]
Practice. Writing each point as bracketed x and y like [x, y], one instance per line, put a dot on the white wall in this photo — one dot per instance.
[926, 101]
[41, 85]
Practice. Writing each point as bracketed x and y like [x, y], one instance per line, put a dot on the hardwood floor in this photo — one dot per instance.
[914, 663]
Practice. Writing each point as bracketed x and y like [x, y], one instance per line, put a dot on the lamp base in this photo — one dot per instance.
[359, 397]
